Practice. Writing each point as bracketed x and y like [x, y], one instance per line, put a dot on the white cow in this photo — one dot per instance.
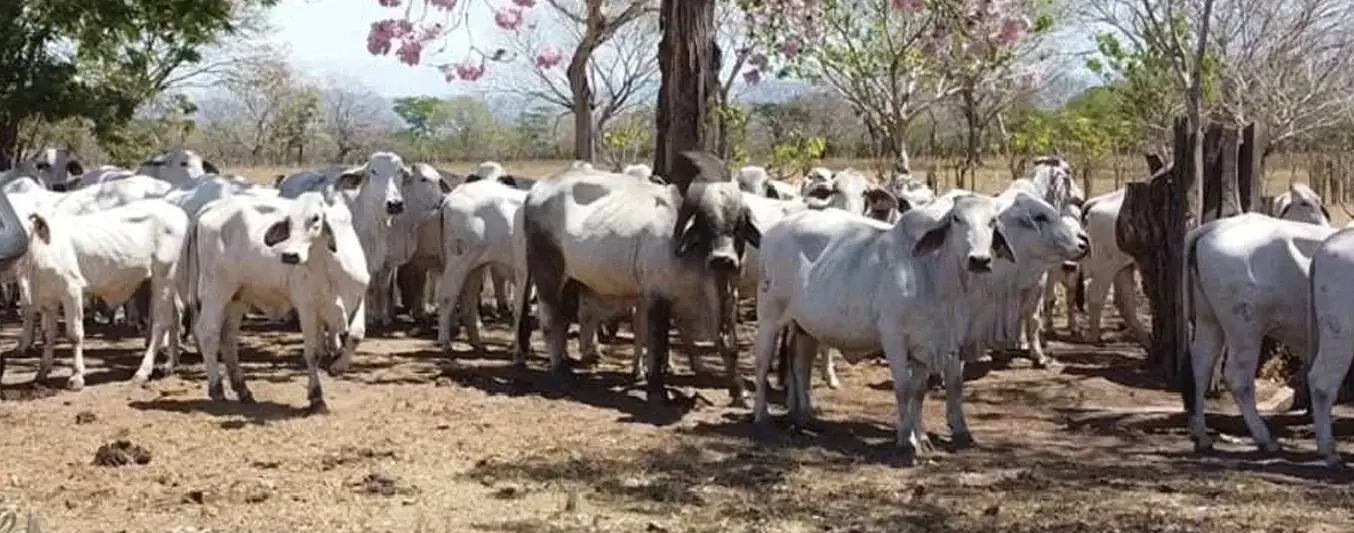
[374, 194]
[178, 168]
[416, 236]
[814, 177]
[107, 254]
[50, 167]
[1300, 204]
[615, 238]
[1331, 330]
[846, 190]
[754, 179]
[1244, 279]
[910, 192]
[1107, 265]
[638, 170]
[863, 286]
[99, 176]
[478, 225]
[272, 253]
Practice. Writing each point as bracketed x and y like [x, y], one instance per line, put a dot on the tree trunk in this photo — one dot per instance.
[9, 146]
[688, 83]
[584, 134]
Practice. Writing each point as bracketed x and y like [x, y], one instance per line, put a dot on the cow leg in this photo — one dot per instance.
[782, 357]
[657, 324]
[350, 339]
[172, 338]
[207, 330]
[804, 347]
[49, 331]
[1125, 300]
[829, 367]
[1203, 351]
[1323, 380]
[764, 351]
[1097, 292]
[470, 314]
[29, 315]
[960, 437]
[1239, 370]
[230, 351]
[591, 314]
[311, 331]
[453, 290]
[75, 331]
[1032, 325]
[502, 304]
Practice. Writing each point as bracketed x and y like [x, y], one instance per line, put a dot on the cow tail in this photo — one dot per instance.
[1313, 334]
[1079, 292]
[188, 280]
[1185, 362]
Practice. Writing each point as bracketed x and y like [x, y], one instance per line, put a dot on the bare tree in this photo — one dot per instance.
[254, 101]
[354, 116]
[609, 53]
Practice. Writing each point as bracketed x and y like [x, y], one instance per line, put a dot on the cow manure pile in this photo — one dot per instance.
[383, 484]
[121, 453]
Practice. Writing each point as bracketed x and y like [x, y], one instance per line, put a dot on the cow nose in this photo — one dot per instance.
[394, 207]
[290, 258]
[880, 214]
[1083, 242]
[59, 187]
[723, 263]
[979, 263]
[1069, 267]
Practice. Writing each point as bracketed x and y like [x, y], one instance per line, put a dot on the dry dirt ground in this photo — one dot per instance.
[414, 443]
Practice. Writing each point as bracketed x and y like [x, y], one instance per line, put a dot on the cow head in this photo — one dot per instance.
[425, 189]
[754, 179]
[1301, 204]
[720, 223]
[910, 193]
[1040, 235]
[305, 227]
[968, 234]
[179, 168]
[57, 170]
[880, 204]
[378, 183]
[639, 171]
[1052, 179]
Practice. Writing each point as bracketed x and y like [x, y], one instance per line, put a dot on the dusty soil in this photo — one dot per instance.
[416, 443]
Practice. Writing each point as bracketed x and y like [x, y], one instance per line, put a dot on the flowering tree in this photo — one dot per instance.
[895, 59]
[424, 22]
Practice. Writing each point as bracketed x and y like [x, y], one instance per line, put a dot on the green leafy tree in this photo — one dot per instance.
[99, 61]
[425, 115]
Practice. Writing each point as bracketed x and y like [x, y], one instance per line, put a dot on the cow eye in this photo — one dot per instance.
[1040, 218]
[183, 163]
[43, 166]
[314, 219]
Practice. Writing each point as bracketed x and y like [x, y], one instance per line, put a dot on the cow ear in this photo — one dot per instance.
[443, 186]
[1324, 212]
[686, 236]
[278, 180]
[932, 240]
[40, 228]
[1001, 248]
[209, 168]
[657, 180]
[472, 178]
[74, 168]
[751, 234]
[349, 180]
[277, 232]
[904, 205]
[507, 180]
[328, 232]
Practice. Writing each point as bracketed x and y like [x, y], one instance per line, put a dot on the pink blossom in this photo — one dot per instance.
[445, 5]
[390, 3]
[410, 52]
[547, 57]
[752, 77]
[470, 71]
[508, 19]
[525, 3]
[378, 39]
[908, 6]
[1012, 29]
[790, 48]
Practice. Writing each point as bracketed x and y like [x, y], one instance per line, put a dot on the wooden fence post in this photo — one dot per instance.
[1250, 178]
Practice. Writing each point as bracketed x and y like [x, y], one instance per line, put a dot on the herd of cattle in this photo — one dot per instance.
[839, 264]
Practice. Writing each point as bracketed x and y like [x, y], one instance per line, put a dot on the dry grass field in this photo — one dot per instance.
[419, 441]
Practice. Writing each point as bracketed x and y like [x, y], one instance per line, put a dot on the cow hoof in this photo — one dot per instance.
[216, 392]
[244, 396]
[76, 382]
[165, 370]
[961, 441]
[1203, 446]
[657, 396]
[834, 383]
[1270, 448]
[907, 454]
[738, 400]
[1334, 462]
[139, 379]
[317, 407]
[562, 374]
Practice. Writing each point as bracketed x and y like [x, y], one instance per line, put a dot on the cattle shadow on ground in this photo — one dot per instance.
[1111, 365]
[261, 412]
[608, 390]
